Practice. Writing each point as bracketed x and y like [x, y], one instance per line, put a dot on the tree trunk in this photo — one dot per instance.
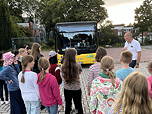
[5, 27]
[142, 40]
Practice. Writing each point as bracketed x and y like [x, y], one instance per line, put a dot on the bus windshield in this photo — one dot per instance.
[82, 37]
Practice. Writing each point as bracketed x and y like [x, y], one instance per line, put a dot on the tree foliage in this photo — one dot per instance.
[85, 10]
[5, 26]
[10, 15]
[143, 17]
[107, 36]
[53, 11]
[15, 9]
[30, 8]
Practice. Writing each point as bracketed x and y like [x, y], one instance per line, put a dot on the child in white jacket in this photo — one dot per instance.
[28, 85]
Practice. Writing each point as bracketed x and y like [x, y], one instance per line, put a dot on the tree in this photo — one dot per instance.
[85, 10]
[15, 9]
[18, 7]
[5, 26]
[143, 17]
[30, 7]
[107, 35]
[53, 11]
[50, 12]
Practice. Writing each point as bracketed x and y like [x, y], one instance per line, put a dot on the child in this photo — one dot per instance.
[36, 53]
[22, 52]
[28, 85]
[149, 79]
[71, 77]
[48, 87]
[27, 48]
[18, 56]
[134, 97]
[104, 88]
[54, 68]
[10, 75]
[126, 57]
[94, 69]
[3, 85]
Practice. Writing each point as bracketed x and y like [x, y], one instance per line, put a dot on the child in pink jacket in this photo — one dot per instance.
[48, 87]
[149, 79]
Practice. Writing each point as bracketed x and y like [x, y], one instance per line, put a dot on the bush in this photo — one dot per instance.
[50, 42]
[147, 41]
[19, 31]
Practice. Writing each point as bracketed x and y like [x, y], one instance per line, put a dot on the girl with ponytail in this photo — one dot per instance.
[104, 88]
[48, 87]
[28, 85]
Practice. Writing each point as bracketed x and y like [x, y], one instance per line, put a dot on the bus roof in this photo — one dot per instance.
[75, 23]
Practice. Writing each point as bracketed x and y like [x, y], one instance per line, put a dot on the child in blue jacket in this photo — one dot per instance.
[10, 75]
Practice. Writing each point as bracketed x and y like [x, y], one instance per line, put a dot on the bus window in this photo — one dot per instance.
[81, 36]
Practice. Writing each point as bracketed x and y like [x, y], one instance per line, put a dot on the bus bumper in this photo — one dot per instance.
[82, 58]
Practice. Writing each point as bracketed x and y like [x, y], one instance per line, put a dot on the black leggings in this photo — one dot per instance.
[76, 96]
[3, 85]
[132, 64]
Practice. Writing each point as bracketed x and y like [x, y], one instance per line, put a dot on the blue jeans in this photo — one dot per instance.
[52, 109]
[16, 102]
[32, 107]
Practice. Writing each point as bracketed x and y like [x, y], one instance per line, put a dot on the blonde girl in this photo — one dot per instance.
[28, 85]
[104, 88]
[48, 87]
[134, 97]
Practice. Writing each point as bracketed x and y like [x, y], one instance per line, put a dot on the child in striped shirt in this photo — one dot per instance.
[95, 68]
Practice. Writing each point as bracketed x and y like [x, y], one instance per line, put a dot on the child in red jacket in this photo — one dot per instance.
[54, 68]
[48, 87]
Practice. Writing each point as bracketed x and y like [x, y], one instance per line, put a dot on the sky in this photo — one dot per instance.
[122, 11]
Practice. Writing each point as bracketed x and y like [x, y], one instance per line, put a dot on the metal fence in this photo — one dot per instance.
[21, 42]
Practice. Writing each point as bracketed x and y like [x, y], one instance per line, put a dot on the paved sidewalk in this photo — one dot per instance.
[115, 53]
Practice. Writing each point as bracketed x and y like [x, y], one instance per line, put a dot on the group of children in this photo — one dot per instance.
[123, 92]
[34, 82]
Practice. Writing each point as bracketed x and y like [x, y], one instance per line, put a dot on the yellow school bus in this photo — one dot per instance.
[79, 35]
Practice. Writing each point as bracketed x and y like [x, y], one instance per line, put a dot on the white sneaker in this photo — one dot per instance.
[2, 102]
[6, 102]
[61, 108]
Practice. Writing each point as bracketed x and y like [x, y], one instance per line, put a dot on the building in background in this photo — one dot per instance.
[121, 29]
